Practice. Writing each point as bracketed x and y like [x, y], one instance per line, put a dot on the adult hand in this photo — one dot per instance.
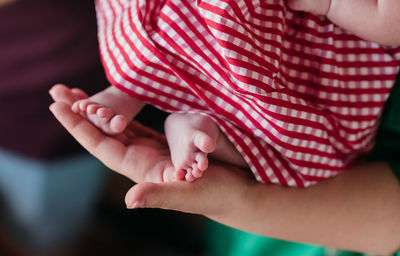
[139, 153]
[357, 210]
[142, 155]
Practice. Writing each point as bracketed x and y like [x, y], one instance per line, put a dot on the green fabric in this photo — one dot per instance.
[225, 241]
[387, 146]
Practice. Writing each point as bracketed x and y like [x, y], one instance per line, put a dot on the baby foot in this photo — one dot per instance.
[102, 117]
[190, 138]
[110, 109]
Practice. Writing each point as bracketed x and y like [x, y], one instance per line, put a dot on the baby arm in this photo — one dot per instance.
[372, 20]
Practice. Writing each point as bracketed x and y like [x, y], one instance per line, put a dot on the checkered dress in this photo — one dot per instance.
[299, 97]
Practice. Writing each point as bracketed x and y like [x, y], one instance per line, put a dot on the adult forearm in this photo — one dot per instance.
[358, 210]
[373, 20]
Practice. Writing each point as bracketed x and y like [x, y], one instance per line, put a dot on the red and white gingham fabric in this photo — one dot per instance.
[299, 97]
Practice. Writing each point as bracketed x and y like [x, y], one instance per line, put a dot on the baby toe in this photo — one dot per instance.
[118, 124]
[204, 142]
[75, 107]
[197, 173]
[189, 176]
[83, 104]
[180, 174]
[202, 161]
[92, 108]
[105, 113]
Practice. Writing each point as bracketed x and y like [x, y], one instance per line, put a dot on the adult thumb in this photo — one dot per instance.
[180, 196]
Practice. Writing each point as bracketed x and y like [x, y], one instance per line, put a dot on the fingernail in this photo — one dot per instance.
[136, 204]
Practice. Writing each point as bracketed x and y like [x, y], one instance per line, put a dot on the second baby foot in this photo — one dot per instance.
[190, 138]
[102, 117]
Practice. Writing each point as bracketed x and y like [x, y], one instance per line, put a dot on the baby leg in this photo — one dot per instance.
[191, 137]
[110, 110]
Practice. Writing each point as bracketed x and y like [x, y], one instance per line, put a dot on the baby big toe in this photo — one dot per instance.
[118, 124]
[204, 142]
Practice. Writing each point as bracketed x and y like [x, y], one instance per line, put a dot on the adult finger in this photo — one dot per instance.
[211, 195]
[62, 93]
[79, 93]
[180, 195]
[142, 159]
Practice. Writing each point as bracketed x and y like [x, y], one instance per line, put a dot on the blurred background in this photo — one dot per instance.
[55, 199]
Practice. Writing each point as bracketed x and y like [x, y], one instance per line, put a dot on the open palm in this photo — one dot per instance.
[142, 155]
[139, 153]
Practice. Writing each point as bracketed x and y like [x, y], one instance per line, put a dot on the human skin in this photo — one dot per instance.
[110, 109]
[4, 2]
[357, 210]
[191, 137]
[373, 20]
